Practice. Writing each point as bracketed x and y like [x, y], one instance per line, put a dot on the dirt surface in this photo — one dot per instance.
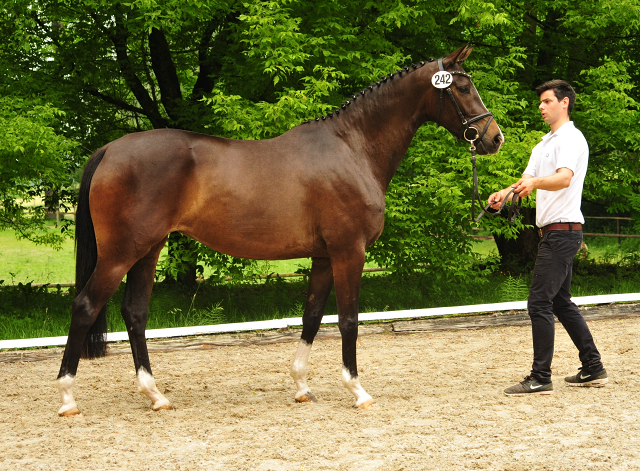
[439, 394]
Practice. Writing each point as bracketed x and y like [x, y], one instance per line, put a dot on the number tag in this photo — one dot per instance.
[441, 79]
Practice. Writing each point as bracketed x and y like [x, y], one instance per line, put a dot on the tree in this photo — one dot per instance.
[593, 45]
[227, 68]
[33, 159]
[253, 70]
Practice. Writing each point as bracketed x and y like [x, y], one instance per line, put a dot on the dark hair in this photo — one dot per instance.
[561, 89]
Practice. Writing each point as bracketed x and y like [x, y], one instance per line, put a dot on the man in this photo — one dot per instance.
[556, 169]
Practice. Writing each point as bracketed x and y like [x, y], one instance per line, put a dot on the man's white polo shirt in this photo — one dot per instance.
[568, 148]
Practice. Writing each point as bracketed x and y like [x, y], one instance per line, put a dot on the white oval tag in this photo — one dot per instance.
[442, 79]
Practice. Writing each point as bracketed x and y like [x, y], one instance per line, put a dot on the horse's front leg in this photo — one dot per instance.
[320, 283]
[347, 274]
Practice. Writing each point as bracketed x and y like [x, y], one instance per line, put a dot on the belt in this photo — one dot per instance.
[560, 226]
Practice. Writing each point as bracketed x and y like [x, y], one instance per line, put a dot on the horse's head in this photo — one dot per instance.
[459, 106]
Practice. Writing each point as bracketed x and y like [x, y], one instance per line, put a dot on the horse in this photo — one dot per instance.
[317, 191]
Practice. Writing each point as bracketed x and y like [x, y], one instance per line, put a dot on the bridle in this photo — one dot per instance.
[466, 123]
[470, 134]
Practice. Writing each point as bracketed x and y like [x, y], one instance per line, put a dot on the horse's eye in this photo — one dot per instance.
[464, 90]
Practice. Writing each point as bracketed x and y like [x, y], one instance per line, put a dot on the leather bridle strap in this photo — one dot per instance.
[514, 207]
[466, 123]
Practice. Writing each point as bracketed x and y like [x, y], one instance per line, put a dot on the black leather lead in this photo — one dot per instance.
[514, 208]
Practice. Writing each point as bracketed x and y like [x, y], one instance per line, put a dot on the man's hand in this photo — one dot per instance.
[497, 198]
[524, 187]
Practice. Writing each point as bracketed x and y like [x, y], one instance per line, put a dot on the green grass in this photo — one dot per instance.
[27, 311]
[21, 261]
[607, 250]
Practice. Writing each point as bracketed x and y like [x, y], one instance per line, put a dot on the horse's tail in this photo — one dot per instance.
[95, 344]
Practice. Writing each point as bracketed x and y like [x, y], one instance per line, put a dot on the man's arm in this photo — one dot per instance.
[525, 186]
[558, 181]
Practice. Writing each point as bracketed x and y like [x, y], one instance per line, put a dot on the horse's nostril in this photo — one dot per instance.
[497, 140]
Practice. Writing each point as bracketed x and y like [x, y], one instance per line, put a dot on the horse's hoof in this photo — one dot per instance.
[370, 404]
[166, 406]
[73, 412]
[307, 397]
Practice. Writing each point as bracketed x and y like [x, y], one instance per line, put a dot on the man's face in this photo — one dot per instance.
[552, 109]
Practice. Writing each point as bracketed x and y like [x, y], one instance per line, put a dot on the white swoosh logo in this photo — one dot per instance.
[536, 387]
[584, 377]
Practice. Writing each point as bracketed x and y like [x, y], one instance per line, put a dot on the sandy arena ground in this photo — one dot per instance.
[440, 407]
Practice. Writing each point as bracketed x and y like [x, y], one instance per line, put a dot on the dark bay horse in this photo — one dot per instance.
[316, 191]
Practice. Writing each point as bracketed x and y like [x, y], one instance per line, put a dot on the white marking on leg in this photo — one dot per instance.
[65, 386]
[353, 385]
[147, 386]
[299, 370]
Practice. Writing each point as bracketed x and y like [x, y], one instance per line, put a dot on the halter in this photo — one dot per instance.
[470, 134]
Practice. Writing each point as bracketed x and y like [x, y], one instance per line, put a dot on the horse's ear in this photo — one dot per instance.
[457, 57]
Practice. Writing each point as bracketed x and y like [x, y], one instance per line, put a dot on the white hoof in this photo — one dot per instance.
[298, 372]
[69, 411]
[147, 386]
[306, 397]
[363, 400]
[69, 407]
[368, 404]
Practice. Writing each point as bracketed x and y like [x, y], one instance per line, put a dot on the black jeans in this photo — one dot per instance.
[550, 294]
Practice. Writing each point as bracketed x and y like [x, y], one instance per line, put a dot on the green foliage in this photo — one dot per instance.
[592, 45]
[27, 311]
[424, 225]
[182, 257]
[609, 116]
[224, 266]
[89, 71]
[34, 160]
[514, 289]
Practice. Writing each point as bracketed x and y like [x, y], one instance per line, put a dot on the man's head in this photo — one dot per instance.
[556, 102]
[561, 90]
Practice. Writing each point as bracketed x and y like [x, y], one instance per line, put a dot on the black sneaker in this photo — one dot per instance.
[530, 385]
[586, 379]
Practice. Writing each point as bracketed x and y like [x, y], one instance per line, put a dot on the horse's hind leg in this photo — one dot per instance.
[85, 309]
[135, 314]
[320, 283]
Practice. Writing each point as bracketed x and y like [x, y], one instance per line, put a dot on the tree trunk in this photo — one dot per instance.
[521, 252]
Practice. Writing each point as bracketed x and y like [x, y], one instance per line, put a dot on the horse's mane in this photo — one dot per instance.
[370, 88]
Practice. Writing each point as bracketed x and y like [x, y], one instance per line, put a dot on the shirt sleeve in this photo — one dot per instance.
[531, 166]
[568, 152]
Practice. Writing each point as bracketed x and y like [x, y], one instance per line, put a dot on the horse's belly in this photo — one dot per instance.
[255, 238]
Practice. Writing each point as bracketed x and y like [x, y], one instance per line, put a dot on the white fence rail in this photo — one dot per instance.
[333, 319]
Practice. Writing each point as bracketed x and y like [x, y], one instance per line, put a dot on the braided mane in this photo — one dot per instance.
[370, 88]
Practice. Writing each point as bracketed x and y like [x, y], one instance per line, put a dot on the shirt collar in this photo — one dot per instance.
[566, 127]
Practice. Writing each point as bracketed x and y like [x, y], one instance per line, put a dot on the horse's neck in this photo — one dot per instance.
[382, 122]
